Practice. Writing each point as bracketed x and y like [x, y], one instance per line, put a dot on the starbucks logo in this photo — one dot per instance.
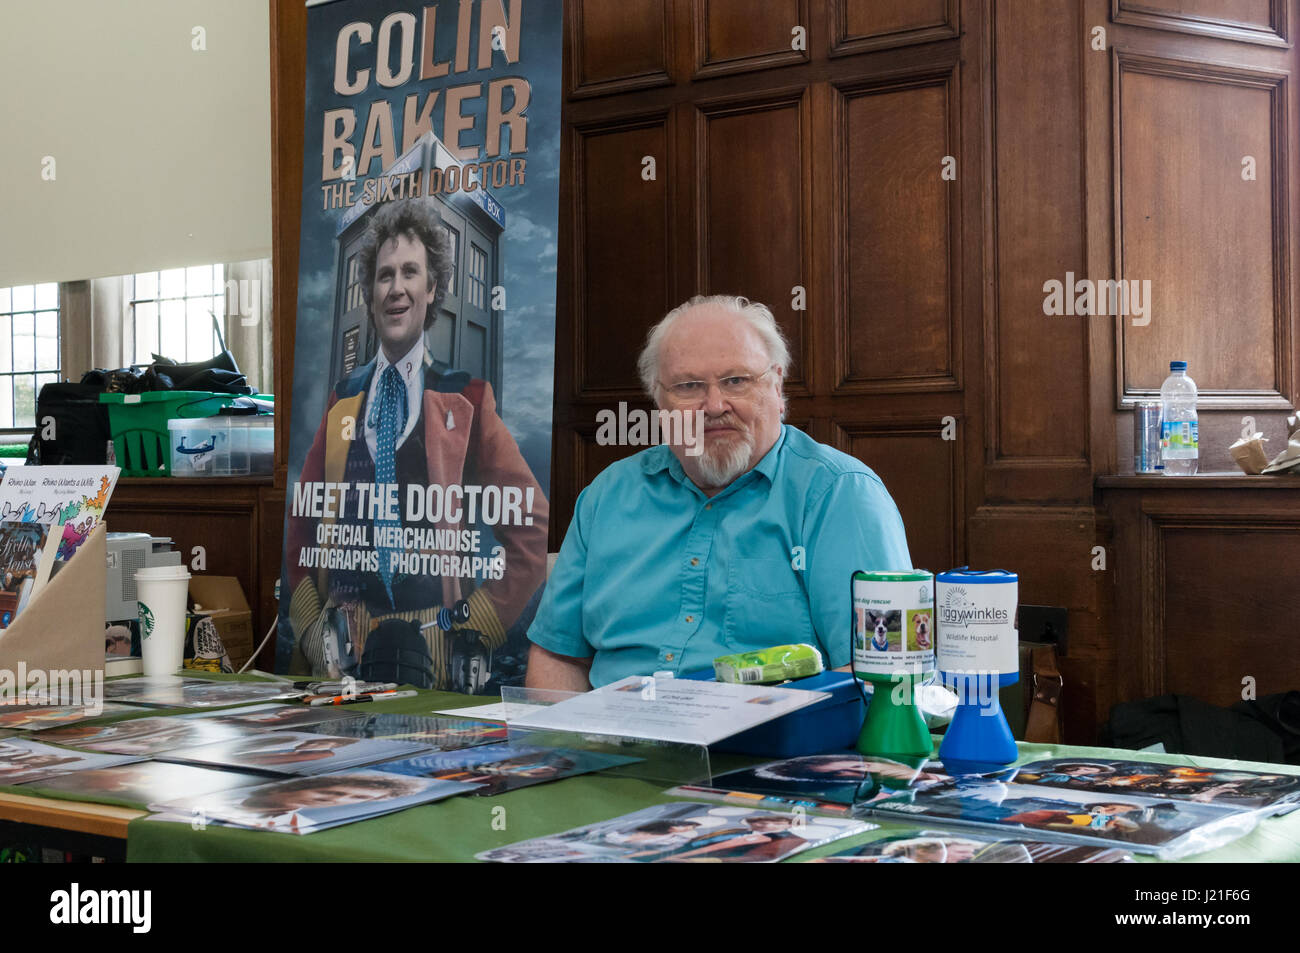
[146, 620]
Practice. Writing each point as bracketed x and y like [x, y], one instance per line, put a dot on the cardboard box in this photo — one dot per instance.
[222, 599]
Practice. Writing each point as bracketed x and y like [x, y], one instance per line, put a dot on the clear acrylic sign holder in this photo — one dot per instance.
[658, 760]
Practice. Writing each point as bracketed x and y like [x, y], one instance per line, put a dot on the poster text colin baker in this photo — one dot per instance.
[366, 54]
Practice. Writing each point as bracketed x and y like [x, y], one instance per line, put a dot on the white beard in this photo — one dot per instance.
[719, 466]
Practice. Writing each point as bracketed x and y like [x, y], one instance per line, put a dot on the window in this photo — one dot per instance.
[352, 297]
[29, 350]
[476, 287]
[453, 237]
[174, 310]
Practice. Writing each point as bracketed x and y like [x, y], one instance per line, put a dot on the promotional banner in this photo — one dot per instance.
[420, 438]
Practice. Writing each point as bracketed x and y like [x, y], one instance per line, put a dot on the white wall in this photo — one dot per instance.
[162, 153]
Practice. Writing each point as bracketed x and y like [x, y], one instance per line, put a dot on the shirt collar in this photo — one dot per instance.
[660, 458]
[414, 357]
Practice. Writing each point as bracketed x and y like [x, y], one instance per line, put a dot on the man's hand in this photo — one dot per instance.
[549, 670]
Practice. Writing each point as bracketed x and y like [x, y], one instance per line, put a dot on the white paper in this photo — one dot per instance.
[501, 711]
[669, 709]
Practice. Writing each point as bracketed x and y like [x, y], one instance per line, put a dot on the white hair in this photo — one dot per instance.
[758, 315]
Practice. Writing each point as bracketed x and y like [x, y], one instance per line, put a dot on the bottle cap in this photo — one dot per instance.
[1178, 365]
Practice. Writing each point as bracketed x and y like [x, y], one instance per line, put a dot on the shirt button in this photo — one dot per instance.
[668, 657]
[708, 506]
[690, 618]
[695, 562]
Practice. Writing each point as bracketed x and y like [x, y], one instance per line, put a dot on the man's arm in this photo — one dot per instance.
[561, 656]
[853, 525]
[546, 669]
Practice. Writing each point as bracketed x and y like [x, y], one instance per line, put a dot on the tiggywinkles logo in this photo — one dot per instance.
[77, 906]
[958, 608]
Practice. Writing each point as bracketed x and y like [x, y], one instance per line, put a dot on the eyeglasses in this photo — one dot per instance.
[735, 387]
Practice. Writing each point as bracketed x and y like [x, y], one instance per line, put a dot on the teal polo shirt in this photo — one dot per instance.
[655, 576]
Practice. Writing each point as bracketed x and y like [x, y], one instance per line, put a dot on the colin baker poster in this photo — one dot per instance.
[419, 455]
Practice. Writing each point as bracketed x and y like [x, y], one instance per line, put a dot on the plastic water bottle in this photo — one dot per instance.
[1179, 437]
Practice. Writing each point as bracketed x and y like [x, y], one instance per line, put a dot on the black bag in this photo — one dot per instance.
[76, 424]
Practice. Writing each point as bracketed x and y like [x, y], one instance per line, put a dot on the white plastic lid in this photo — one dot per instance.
[159, 573]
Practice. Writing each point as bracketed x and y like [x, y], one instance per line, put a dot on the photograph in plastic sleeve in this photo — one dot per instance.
[305, 805]
[170, 691]
[143, 782]
[141, 736]
[1203, 785]
[442, 734]
[40, 717]
[841, 777]
[940, 847]
[685, 832]
[294, 752]
[278, 716]
[1144, 824]
[505, 767]
[23, 760]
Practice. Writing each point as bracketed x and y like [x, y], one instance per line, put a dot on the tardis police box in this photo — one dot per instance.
[467, 334]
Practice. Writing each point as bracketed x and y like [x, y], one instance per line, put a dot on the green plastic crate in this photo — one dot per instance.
[139, 425]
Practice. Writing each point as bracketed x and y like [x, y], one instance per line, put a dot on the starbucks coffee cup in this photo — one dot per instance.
[163, 595]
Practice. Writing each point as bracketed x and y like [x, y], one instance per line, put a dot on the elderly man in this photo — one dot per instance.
[675, 556]
[397, 420]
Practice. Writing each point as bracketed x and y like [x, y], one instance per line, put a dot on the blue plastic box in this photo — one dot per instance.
[831, 724]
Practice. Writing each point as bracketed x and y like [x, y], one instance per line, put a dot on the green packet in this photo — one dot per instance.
[776, 664]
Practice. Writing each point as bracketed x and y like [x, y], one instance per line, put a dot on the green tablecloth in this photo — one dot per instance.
[459, 827]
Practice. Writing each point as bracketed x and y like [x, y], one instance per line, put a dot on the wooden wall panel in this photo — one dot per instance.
[288, 88]
[1250, 21]
[1230, 595]
[1213, 245]
[757, 248]
[922, 472]
[1037, 360]
[898, 231]
[740, 35]
[1051, 549]
[618, 47]
[862, 25]
[623, 284]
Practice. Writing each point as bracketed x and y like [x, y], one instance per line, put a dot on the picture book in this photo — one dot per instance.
[143, 782]
[70, 498]
[24, 759]
[27, 552]
[279, 716]
[1150, 825]
[504, 767]
[442, 734]
[37, 717]
[771, 802]
[171, 691]
[293, 752]
[1227, 787]
[142, 736]
[306, 805]
[939, 847]
[840, 777]
[683, 832]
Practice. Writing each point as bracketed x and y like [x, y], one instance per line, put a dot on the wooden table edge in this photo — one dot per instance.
[104, 820]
